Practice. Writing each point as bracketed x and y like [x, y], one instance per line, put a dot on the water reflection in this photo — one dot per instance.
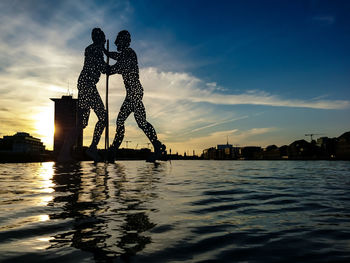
[107, 209]
[22, 195]
[189, 211]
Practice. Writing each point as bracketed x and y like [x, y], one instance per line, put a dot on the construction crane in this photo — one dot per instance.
[312, 134]
[126, 142]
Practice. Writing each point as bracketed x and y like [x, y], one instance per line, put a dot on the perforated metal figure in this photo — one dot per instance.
[127, 66]
[88, 96]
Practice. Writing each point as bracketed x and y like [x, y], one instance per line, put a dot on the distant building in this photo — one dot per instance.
[303, 150]
[224, 146]
[327, 146]
[209, 154]
[342, 150]
[271, 152]
[21, 142]
[250, 152]
[284, 151]
[225, 151]
[321, 141]
[65, 120]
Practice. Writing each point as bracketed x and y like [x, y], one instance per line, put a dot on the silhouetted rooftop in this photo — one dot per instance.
[345, 136]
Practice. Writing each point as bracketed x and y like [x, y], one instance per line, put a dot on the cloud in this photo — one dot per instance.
[218, 123]
[184, 87]
[41, 50]
[41, 54]
[324, 19]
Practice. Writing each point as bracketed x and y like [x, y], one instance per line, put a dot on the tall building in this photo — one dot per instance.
[65, 120]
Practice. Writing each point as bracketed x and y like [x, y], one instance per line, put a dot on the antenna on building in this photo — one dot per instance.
[127, 143]
[68, 90]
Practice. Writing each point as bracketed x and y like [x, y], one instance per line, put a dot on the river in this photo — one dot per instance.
[179, 211]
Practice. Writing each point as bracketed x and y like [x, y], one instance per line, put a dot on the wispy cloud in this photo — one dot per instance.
[324, 19]
[184, 87]
[217, 123]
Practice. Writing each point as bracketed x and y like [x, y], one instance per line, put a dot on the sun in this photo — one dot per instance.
[44, 126]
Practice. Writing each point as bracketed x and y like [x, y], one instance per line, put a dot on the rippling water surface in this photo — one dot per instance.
[184, 211]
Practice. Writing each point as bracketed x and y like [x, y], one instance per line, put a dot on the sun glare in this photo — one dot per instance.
[44, 126]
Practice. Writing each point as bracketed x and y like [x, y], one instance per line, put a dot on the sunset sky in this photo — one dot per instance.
[257, 72]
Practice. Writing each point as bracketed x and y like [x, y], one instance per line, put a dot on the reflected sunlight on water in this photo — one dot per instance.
[184, 211]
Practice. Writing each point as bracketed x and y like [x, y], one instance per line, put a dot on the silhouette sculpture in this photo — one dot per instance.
[88, 96]
[126, 65]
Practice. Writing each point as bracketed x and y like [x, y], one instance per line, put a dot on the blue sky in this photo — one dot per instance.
[259, 72]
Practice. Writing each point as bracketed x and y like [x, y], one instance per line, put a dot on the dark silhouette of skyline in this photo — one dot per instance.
[323, 149]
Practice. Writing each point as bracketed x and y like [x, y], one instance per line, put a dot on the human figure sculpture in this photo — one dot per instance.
[126, 65]
[88, 96]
